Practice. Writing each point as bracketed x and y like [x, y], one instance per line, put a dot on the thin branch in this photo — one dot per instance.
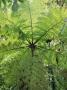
[17, 48]
[30, 20]
[46, 32]
[45, 49]
[62, 29]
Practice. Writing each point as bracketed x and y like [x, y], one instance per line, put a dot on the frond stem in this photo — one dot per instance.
[46, 32]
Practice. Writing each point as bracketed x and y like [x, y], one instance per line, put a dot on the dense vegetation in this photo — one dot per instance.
[33, 44]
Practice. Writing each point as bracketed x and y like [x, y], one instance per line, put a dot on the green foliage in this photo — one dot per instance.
[33, 45]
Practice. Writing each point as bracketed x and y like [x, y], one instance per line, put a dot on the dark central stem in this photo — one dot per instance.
[32, 46]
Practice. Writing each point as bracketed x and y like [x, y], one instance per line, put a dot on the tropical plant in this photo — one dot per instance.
[33, 45]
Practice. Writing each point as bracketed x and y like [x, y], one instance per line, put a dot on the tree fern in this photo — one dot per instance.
[33, 48]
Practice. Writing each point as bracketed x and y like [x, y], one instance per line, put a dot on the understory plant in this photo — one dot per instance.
[33, 45]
